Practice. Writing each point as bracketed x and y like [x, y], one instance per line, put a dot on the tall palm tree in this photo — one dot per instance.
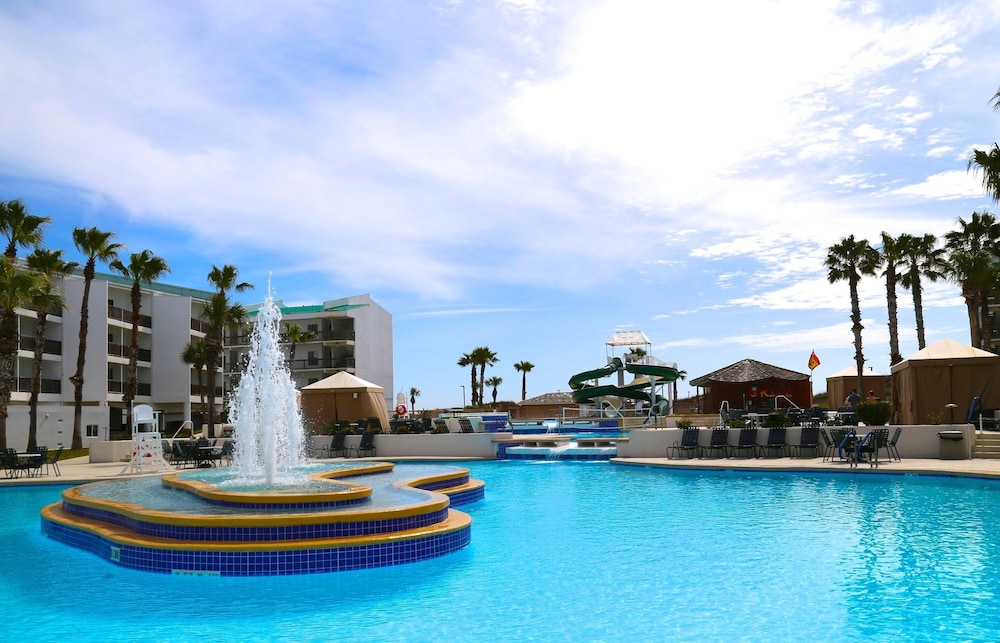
[681, 375]
[848, 261]
[524, 368]
[96, 245]
[466, 360]
[194, 354]
[483, 357]
[22, 230]
[142, 268]
[494, 382]
[921, 258]
[988, 162]
[891, 256]
[414, 394]
[17, 288]
[49, 264]
[294, 335]
[220, 313]
[971, 263]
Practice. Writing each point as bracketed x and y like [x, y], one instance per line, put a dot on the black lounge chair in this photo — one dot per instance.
[719, 442]
[809, 439]
[366, 446]
[53, 461]
[747, 442]
[688, 443]
[466, 425]
[337, 445]
[375, 424]
[440, 426]
[775, 442]
[890, 446]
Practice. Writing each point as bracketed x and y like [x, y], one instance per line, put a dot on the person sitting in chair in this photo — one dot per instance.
[852, 399]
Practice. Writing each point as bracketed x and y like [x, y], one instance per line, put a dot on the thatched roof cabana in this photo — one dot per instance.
[752, 384]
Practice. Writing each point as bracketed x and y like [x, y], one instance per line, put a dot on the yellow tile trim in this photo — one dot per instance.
[456, 520]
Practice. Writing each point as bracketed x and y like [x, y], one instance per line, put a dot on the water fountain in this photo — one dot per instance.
[271, 512]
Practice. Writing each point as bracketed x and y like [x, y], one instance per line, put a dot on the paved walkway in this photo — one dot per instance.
[80, 469]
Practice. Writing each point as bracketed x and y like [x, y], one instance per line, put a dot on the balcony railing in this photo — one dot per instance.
[116, 386]
[196, 390]
[46, 386]
[200, 326]
[315, 364]
[123, 315]
[336, 336]
[119, 350]
[50, 346]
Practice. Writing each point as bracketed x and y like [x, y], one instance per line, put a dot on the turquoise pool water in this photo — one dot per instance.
[581, 552]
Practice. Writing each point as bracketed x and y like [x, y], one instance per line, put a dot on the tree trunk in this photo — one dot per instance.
[36, 380]
[891, 303]
[81, 357]
[918, 310]
[859, 357]
[8, 359]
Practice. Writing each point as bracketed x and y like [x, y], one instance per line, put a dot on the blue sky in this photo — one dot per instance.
[521, 174]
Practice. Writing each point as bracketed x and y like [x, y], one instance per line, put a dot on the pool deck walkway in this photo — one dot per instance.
[78, 470]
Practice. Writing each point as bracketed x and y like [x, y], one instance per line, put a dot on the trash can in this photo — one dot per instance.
[952, 445]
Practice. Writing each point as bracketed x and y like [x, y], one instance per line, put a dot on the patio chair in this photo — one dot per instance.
[866, 448]
[36, 463]
[841, 438]
[890, 446]
[688, 443]
[775, 442]
[466, 425]
[178, 456]
[337, 445]
[747, 442]
[366, 446]
[719, 442]
[440, 426]
[53, 461]
[809, 439]
[228, 448]
[829, 446]
[12, 464]
[375, 424]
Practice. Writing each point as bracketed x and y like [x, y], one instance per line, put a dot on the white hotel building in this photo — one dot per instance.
[352, 334]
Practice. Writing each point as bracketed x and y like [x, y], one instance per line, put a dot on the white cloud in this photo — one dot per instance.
[953, 184]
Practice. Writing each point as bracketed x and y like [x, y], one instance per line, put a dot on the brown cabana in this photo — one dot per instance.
[341, 396]
[946, 372]
[547, 405]
[839, 385]
[753, 385]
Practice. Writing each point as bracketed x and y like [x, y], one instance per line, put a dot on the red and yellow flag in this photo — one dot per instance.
[813, 361]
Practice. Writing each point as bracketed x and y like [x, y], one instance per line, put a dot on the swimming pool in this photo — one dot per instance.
[578, 551]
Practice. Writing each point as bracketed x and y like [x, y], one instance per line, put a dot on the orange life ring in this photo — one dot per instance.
[400, 409]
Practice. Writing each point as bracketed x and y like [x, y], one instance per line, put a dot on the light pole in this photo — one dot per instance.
[463, 396]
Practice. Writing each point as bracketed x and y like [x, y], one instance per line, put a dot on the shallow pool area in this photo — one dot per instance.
[583, 552]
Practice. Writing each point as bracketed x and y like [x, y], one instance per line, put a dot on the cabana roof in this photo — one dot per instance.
[748, 370]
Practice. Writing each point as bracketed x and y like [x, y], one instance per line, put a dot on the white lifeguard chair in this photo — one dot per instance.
[147, 443]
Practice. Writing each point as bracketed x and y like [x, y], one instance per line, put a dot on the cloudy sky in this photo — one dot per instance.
[522, 174]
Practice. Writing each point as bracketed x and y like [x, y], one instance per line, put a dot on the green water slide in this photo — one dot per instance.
[582, 392]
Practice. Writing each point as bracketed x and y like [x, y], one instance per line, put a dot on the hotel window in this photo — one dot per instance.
[92, 431]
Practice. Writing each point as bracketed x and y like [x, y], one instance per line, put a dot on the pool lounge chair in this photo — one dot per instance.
[747, 442]
[775, 442]
[366, 446]
[466, 425]
[890, 446]
[688, 443]
[719, 442]
[809, 439]
[337, 447]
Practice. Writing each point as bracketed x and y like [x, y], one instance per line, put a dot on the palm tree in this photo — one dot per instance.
[466, 360]
[49, 264]
[971, 251]
[414, 394]
[194, 354]
[295, 335]
[921, 258]
[143, 268]
[848, 261]
[96, 245]
[17, 288]
[484, 357]
[22, 230]
[891, 256]
[988, 163]
[681, 375]
[494, 382]
[524, 368]
[220, 313]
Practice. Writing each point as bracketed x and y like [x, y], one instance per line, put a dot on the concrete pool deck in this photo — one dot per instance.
[79, 470]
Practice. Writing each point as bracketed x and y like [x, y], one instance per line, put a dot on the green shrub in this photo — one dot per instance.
[776, 420]
[873, 413]
[683, 424]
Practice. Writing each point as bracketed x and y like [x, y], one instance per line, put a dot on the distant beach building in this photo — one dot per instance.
[749, 384]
